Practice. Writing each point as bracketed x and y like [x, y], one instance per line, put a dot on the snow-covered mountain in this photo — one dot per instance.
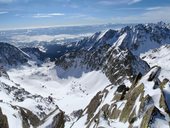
[118, 56]
[114, 78]
[137, 38]
[97, 51]
[143, 37]
[54, 35]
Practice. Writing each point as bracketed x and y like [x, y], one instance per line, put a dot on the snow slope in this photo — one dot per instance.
[69, 94]
[16, 103]
[160, 57]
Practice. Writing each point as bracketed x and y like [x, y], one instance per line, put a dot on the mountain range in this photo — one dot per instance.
[111, 79]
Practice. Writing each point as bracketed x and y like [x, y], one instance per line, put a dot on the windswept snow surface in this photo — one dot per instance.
[69, 94]
[159, 57]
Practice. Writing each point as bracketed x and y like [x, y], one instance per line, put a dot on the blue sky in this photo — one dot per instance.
[43, 13]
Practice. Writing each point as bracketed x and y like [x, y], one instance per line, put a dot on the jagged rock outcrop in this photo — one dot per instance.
[3, 73]
[140, 106]
[122, 64]
[58, 121]
[3, 120]
[28, 118]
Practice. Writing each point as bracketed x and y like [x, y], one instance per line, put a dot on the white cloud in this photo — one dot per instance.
[117, 2]
[4, 12]
[153, 8]
[151, 15]
[55, 14]
[134, 1]
[6, 1]
[48, 38]
[47, 15]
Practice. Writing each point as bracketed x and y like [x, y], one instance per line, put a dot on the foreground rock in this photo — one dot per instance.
[140, 106]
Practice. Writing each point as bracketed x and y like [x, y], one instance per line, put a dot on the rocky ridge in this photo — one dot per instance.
[140, 105]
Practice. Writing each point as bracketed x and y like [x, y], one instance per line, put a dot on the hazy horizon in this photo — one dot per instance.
[20, 14]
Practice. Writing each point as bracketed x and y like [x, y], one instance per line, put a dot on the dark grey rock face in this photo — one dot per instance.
[35, 53]
[122, 64]
[3, 120]
[58, 121]
[11, 55]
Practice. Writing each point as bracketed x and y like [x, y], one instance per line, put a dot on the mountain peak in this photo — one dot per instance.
[121, 64]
